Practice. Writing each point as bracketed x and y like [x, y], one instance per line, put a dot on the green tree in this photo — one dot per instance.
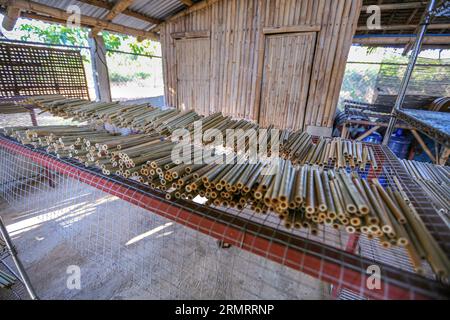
[60, 34]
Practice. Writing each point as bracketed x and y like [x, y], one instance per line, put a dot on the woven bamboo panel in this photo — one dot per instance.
[29, 70]
[238, 31]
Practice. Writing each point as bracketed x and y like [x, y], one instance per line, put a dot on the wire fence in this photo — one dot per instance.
[134, 76]
[378, 82]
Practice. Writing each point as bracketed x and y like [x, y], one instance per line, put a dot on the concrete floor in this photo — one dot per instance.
[125, 252]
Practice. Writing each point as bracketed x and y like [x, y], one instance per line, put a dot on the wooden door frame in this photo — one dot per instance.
[287, 31]
[184, 36]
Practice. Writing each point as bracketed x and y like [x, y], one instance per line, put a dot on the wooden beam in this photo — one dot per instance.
[118, 8]
[106, 5]
[62, 15]
[10, 19]
[189, 3]
[406, 27]
[398, 6]
[383, 40]
[291, 29]
[423, 145]
[190, 34]
[100, 68]
[445, 154]
[367, 133]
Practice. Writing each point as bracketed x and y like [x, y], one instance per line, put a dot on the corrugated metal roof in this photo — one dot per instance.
[163, 9]
[159, 9]
[86, 9]
[132, 22]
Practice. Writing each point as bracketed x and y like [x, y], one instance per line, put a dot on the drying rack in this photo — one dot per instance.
[21, 289]
[333, 256]
[434, 124]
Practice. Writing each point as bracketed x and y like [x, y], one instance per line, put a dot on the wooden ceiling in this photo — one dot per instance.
[401, 17]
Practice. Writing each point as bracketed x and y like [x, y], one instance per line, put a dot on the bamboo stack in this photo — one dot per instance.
[302, 196]
[435, 180]
[6, 280]
[296, 146]
[336, 152]
[140, 117]
[11, 108]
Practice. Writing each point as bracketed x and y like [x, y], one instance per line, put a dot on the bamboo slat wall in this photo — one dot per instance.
[193, 74]
[236, 36]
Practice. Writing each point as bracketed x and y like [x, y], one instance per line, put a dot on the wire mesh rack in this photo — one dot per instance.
[432, 123]
[357, 112]
[167, 245]
[17, 290]
[32, 70]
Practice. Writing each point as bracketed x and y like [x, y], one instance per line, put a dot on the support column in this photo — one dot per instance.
[100, 68]
[426, 19]
[10, 18]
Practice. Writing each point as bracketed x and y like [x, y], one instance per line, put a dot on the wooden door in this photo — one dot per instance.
[193, 74]
[287, 69]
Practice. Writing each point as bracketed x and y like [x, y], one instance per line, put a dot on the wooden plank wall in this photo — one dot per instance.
[286, 76]
[193, 64]
[237, 40]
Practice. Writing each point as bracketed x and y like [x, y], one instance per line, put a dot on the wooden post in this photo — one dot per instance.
[444, 156]
[423, 145]
[367, 133]
[10, 19]
[344, 132]
[100, 68]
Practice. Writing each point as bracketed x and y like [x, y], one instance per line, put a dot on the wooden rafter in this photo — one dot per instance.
[119, 7]
[407, 27]
[62, 16]
[106, 5]
[398, 6]
[189, 3]
[400, 40]
[410, 44]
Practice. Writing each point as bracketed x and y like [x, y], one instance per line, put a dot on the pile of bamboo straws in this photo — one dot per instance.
[303, 196]
[435, 180]
[296, 146]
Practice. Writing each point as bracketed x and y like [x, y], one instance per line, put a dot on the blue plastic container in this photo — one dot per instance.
[375, 137]
[399, 144]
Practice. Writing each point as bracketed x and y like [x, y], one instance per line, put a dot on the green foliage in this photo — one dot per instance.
[118, 77]
[60, 34]
[358, 83]
[55, 34]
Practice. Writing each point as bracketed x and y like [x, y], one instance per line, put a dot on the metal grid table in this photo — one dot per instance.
[434, 124]
[333, 257]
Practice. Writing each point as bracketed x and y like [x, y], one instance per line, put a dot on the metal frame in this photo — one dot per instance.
[22, 276]
[324, 262]
[412, 62]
